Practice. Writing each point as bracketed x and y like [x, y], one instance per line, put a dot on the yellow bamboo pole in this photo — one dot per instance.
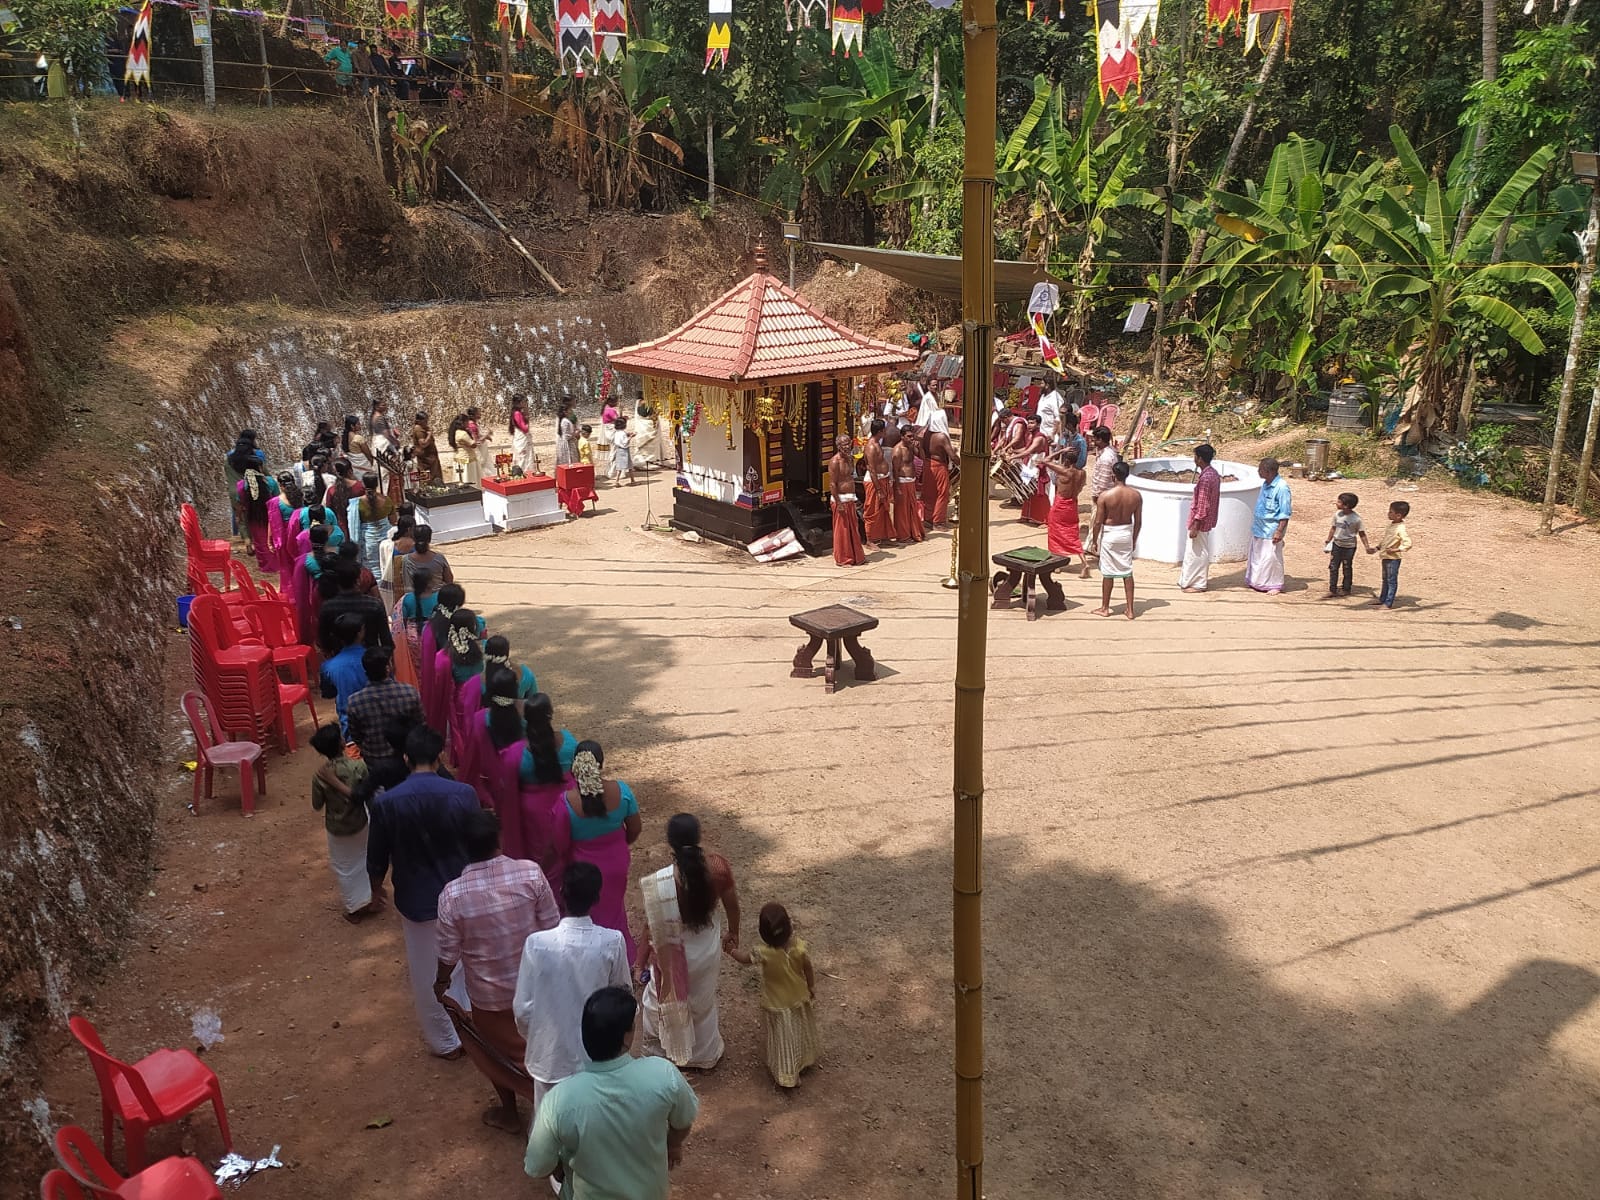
[981, 53]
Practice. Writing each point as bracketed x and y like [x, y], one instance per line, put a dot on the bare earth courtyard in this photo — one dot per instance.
[1285, 896]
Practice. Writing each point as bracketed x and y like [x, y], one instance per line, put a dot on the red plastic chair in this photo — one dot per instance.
[238, 680]
[273, 624]
[1109, 415]
[58, 1185]
[214, 752]
[84, 1167]
[250, 589]
[208, 554]
[1088, 416]
[157, 1090]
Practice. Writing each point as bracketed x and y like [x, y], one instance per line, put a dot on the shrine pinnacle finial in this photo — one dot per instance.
[761, 254]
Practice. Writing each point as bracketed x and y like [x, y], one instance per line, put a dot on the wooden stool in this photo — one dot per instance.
[833, 624]
[1035, 567]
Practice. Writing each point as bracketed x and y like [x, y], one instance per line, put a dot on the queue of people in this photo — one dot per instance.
[449, 791]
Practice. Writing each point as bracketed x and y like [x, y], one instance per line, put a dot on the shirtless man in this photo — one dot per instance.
[1118, 515]
[880, 485]
[907, 513]
[847, 548]
[938, 456]
[1063, 533]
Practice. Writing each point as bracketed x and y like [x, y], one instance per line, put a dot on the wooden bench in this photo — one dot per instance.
[1033, 567]
[834, 624]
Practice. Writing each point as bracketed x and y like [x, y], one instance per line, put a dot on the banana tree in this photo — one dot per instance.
[1279, 248]
[1435, 290]
[859, 140]
[1076, 179]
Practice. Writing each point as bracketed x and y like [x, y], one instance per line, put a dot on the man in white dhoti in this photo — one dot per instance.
[1049, 410]
[1264, 571]
[1118, 516]
[1202, 520]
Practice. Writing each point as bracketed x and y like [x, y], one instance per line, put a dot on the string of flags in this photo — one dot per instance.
[1119, 26]
[849, 26]
[574, 35]
[1046, 298]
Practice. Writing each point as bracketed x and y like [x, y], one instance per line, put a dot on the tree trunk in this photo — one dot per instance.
[1270, 64]
[1480, 137]
[1580, 310]
[208, 67]
[266, 72]
[711, 156]
[1586, 462]
[1175, 119]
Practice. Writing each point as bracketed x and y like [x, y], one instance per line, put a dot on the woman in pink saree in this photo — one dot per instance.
[464, 655]
[434, 685]
[684, 938]
[543, 828]
[258, 499]
[603, 818]
[494, 756]
[303, 591]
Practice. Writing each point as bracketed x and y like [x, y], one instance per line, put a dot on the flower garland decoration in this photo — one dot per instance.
[460, 640]
[607, 376]
[586, 770]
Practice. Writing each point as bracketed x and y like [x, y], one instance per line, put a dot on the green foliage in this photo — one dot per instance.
[1487, 459]
[71, 32]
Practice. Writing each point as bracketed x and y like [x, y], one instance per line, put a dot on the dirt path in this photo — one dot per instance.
[1284, 896]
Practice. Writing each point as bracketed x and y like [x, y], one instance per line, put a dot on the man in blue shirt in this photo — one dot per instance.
[415, 829]
[1264, 571]
[343, 675]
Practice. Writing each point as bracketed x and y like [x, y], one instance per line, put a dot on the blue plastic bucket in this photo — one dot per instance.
[183, 611]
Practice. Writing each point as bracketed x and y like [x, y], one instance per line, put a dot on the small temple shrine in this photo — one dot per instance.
[757, 386]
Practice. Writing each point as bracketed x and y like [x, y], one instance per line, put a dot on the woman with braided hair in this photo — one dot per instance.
[603, 820]
[495, 745]
[684, 938]
[497, 653]
[432, 640]
[257, 495]
[543, 824]
[464, 648]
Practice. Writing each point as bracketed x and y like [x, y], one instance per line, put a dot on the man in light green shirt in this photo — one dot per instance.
[613, 1130]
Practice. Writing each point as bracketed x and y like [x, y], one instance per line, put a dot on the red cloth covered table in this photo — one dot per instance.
[574, 485]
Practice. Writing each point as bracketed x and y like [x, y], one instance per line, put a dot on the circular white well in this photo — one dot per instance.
[1166, 510]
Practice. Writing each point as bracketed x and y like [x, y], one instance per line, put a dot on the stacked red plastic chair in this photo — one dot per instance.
[236, 677]
[205, 554]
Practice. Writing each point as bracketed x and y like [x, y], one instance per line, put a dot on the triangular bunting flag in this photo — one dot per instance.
[1047, 348]
[1118, 59]
[398, 11]
[719, 34]
[1262, 23]
[137, 70]
[574, 34]
[610, 27]
[1136, 14]
[1220, 12]
[849, 26]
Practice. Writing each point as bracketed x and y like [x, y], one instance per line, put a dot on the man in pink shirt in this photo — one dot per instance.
[485, 915]
[1196, 571]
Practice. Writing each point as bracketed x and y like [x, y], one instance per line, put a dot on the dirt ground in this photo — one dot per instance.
[1284, 896]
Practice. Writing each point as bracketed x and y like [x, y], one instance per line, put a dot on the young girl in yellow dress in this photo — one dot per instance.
[788, 987]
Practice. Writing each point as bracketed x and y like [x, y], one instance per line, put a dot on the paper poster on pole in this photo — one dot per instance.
[202, 28]
[1046, 298]
[1136, 317]
[316, 29]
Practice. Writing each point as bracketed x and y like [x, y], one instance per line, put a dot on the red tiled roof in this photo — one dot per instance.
[759, 331]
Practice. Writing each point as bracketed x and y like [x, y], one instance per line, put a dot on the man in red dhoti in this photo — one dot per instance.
[847, 549]
[907, 511]
[880, 483]
[1030, 488]
[1062, 528]
[938, 454]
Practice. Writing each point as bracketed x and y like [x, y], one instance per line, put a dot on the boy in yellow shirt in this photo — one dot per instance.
[1394, 542]
[585, 448]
